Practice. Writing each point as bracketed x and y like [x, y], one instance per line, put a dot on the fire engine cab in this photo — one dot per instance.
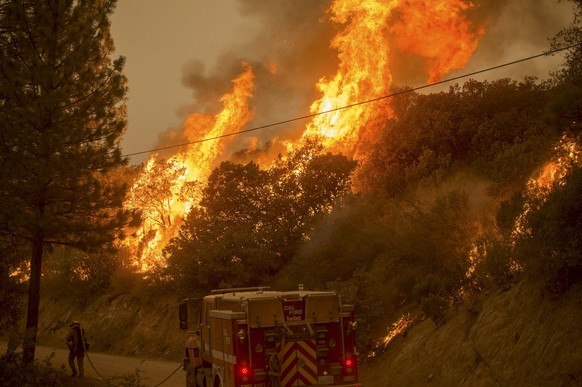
[255, 337]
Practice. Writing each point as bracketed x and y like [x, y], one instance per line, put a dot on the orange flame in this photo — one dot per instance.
[163, 214]
[433, 29]
[567, 154]
[436, 30]
[363, 73]
[233, 117]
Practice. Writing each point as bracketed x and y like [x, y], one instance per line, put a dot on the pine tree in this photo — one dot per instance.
[62, 115]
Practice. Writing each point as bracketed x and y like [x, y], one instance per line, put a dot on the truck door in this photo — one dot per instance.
[205, 339]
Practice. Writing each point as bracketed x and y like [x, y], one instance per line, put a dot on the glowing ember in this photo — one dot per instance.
[398, 327]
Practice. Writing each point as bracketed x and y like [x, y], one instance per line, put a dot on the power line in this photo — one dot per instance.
[256, 128]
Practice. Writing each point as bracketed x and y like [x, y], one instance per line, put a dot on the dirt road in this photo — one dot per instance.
[102, 368]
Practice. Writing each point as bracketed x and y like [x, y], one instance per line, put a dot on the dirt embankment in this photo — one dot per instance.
[120, 324]
[520, 337]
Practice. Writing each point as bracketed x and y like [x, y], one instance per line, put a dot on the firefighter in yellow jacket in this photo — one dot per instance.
[77, 343]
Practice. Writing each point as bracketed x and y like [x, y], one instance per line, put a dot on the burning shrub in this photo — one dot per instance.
[552, 249]
[496, 266]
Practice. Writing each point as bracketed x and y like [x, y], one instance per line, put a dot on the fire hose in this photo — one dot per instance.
[87, 353]
[169, 376]
[274, 370]
[101, 377]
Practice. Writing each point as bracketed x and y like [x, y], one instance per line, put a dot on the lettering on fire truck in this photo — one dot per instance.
[255, 337]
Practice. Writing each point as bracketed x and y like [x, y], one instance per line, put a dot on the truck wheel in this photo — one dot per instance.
[190, 376]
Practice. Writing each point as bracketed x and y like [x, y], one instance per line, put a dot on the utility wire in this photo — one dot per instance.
[256, 128]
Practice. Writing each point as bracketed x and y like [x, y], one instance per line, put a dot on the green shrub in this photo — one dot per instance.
[496, 266]
[13, 372]
[431, 295]
[79, 275]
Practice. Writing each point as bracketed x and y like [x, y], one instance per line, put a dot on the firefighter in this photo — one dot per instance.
[77, 343]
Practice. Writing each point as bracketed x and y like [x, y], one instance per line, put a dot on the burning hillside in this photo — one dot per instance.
[566, 155]
[166, 188]
[369, 33]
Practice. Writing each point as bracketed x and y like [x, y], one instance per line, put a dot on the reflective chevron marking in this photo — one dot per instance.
[299, 366]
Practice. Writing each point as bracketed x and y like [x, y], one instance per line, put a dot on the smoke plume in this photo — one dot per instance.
[289, 50]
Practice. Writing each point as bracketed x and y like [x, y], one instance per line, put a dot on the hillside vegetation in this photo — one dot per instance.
[462, 218]
[432, 224]
[438, 235]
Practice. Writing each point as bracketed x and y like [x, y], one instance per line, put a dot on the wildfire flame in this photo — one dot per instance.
[163, 213]
[398, 327]
[448, 42]
[567, 154]
[433, 29]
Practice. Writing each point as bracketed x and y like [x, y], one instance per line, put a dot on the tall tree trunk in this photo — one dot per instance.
[29, 346]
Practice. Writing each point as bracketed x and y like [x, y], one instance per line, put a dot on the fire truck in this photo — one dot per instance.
[255, 337]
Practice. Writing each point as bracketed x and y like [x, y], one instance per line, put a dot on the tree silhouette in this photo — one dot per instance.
[251, 221]
[61, 117]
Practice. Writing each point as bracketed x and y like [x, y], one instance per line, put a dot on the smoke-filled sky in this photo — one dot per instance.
[182, 55]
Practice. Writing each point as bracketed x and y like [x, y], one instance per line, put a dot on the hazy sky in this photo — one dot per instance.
[158, 39]
[181, 54]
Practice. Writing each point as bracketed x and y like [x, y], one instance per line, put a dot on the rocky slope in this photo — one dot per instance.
[521, 337]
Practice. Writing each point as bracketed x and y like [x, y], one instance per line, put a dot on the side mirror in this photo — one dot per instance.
[183, 309]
